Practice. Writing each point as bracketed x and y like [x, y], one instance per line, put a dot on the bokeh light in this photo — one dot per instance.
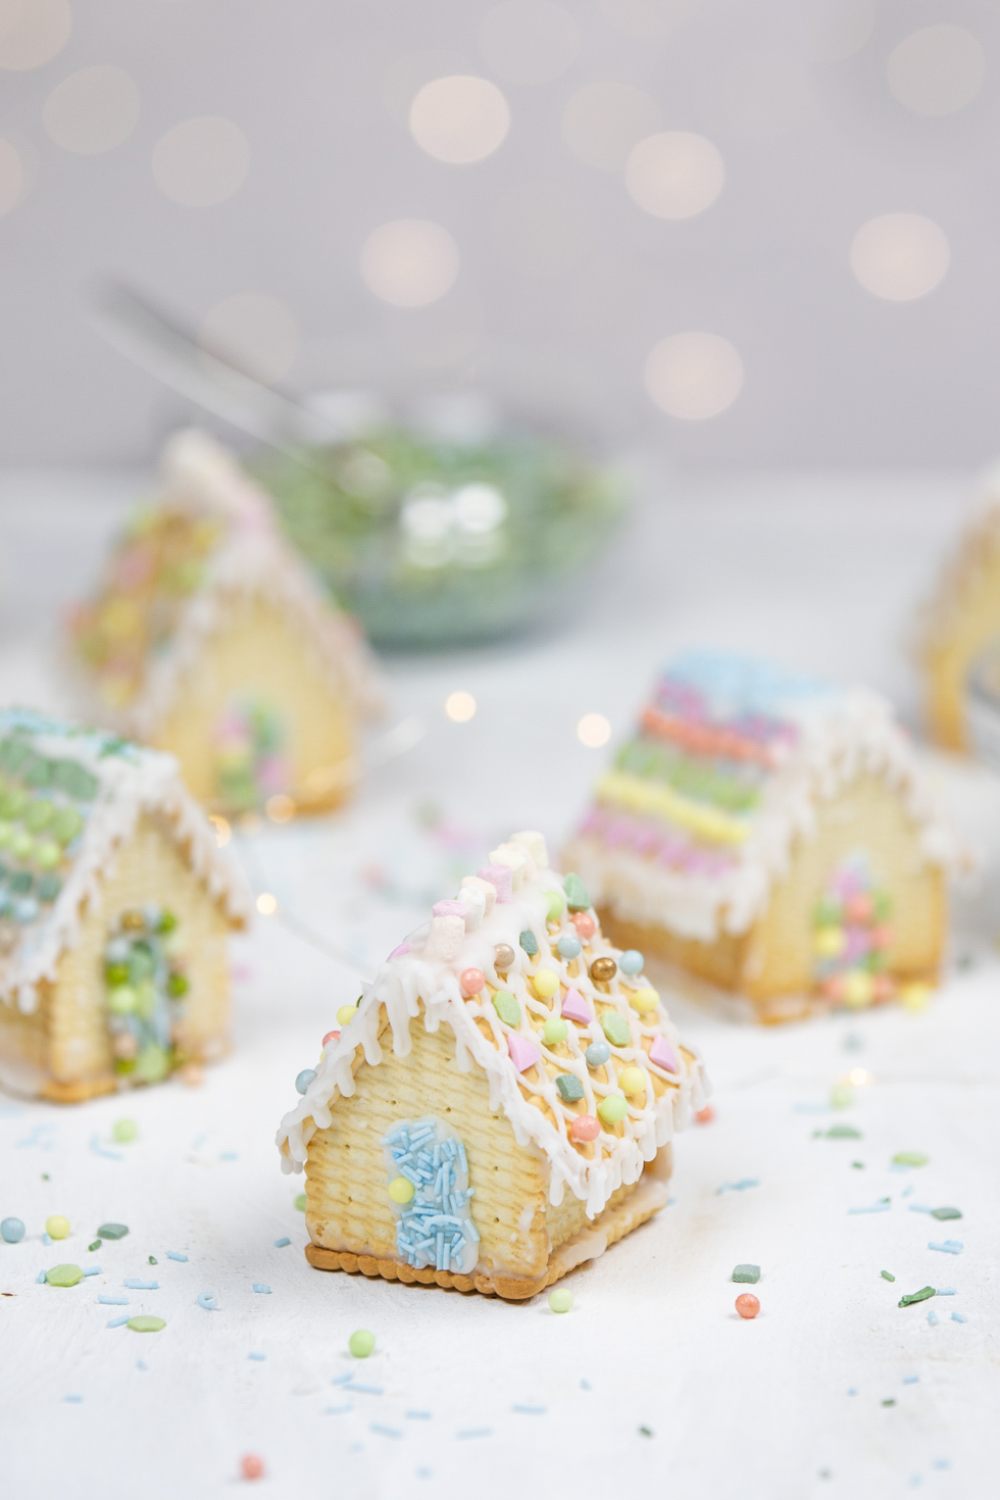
[202, 161]
[410, 262]
[459, 120]
[267, 904]
[92, 111]
[32, 32]
[256, 332]
[937, 70]
[694, 376]
[406, 75]
[675, 174]
[529, 41]
[11, 175]
[593, 730]
[900, 256]
[460, 707]
[602, 122]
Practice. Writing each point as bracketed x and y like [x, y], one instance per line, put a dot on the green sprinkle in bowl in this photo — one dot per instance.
[435, 542]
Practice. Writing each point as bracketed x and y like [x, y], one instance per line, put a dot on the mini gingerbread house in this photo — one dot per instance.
[210, 639]
[962, 620]
[500, 1108]
[772, 836]
[115, 909]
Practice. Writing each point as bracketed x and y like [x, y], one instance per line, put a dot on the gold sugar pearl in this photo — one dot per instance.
[603, 969]
[132, 921]
[503, 957]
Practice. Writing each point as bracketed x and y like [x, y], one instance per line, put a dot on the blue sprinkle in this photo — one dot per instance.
[365, 1390]
[950, 1247]
[113, 1301]
[958, 1317]
[46, 1239]
[73, 1398]
[280, 1244]
[853, 1390]
[337, 1411]
[229, 1156]
[941, 1463]
[99, 1150]
[340, 1379]
[919, 1208]
[175, 1255]
[262, 1286]
[585, 1385]
[473, 1432]
[208, 1301]
[256, 1354]
[910, 1379]
[92, 1271]
[392, 1432]
[40, 1278]
[118, 1322]
[738, 1187]
[141, 1364]
[530, 1411]
[421, 1416]
[945, 1291]
[907, 1190]
[932, 1318]
[871, 1208]
[810, 1109]
[136, 1285]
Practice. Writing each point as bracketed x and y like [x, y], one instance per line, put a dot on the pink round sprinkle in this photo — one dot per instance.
[331, 1036]
[585, 1128]
[472, 981]
[706, 1115]
[585, 926]
[251, 1467]
[747, 1305]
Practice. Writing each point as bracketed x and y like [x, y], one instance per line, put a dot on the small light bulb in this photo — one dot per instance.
[593, 730]
[460, 707]
[267, 904]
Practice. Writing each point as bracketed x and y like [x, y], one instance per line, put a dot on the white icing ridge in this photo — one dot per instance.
[841, 736]
[428, 976]
[131, 781]
[252, 561]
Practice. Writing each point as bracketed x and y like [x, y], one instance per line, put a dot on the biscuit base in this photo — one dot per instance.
[613, 1224]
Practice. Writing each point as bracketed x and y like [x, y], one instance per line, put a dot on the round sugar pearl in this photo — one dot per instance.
[915, 996]
[304, 1079]
[555, 1030]
[561, 1300]
[555, 903]
[331, 1036]
[12, 1230]
[603, 969]
[56, 1227]
[471, 981]
[829, 941]
[546, 983]
[645, 999]
[612, 1109]
[585, 1128]
[747, 1305]
[597, 1054]
[569, 946]
[631, 961]
[251, 1467]
[361, 1343]
[124, 1131]
[632, 1081]
[401, 1190]
[859, 990]
[346, 1013]
[503, 957]
[585, 925]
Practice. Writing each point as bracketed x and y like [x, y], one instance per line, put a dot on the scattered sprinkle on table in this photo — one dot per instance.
[646, 1431]
[910, 1379]
[946, 1213]
[99, 1150]
[475, 1432]
[950, 1247]
[843, 1133]
[392, 1432]
[337, 1411]
[112, 1231]
[209, 1302]
[145, 1323]
[932, 1318]
[12, 1231]
[747, 1305]
[40, 1277]
[92, 1271]
[920, 1208]
[889, 1401]
[530, 1411]
[136, 1284]
[280, 1244]
[946, 1291]
[251, 1466]
[229, 1156]
[256, 1354]
[152, 1260]
[95, 1246]
[958, 1317]
[124, 1131]
[910, 1159]
[300, 1203]
[739, 1187]
[418, 1416]
[746, 1273]
[74, 1398]
[561, 1299]
[921, 1296]
[118, 1322]
[361, 1343]
[67, 1275]
[113, 1301]
[57, 1228]
[887, 1276]
[176, 1255]
[262, 1286]
[364, 1390]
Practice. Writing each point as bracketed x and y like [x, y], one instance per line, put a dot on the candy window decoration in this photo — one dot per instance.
[429, 1192]
[146, 985]
[852, 936]
[43, 810]
[250, 761]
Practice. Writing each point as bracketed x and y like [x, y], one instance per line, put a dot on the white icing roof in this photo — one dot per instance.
[252, 559]
[108, 783]
[424, 973]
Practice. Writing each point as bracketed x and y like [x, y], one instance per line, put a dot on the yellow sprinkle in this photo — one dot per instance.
[56, 1227]
[346, 1013]
[859, 989]
[645, 999]
[632, 1081]
[637, 794]
[400, 1191]
[546, 983]
[915, 996]
[829, 942]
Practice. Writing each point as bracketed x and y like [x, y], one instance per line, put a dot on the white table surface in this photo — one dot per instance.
[651, 1384]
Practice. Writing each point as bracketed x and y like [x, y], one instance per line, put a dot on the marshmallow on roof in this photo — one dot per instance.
[772, 835]
[501, 1106]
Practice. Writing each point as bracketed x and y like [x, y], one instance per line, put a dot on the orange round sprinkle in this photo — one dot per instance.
[472, 981]
[331, 1036]
[251, 1467]
[704, 1116]
[585, 1128]
[747, 1305]
[585, 925]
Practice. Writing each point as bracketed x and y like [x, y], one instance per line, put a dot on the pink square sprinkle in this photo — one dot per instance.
[663, 1055]
[575, 1008]
[523, 1054]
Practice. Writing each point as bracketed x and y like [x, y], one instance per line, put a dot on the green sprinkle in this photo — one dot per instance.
[646, 1431]
[887, 1276]
[67, 1275]
[843, 1133]
[570, 1088]
[361, 1343]
[145, 1323]
[890, 1401]
[911, 1159]
[113, 1231]
[124, 1131]
[300, 1203]
[859, 1164]
[577, 898]
[153, 1260]
[561, 1300]
[841, 1095]
[95, 1246]
[529, 942]
[507, 1007]
[616, 1028]
[747, 1273]
[554, 906]
[946, 1213]
[921, 1296]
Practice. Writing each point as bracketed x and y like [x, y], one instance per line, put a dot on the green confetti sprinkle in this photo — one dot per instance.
[529, 942]
[113, 1231]
[921, 1296]
[946, 1213]
[153, 1260]
[747, 1273]
[67, 1275]
[887, 1276]
[144, 1323]
[95, 1246]
[843, 1133]
[577, 898]
[300, 1203]
[911, 1159]
[646, 1431]
[889, 1401]
[507, 1007]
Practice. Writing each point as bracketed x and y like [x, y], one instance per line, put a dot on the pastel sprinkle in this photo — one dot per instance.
[146, 1324]
[921, 1296]
[523, 1054]
[946, 1213]
[946, 1291]
[262, 1286]
[401, 1190]
[421, 1416]
[74, 1399]
[57, 1227]
[92, 1271]
[530, 1411]
[256, 1354]
[911, 1159]
[950, 1247]
[555, 1031]
[280, 1244]
[99, 1150]
[569, 946]
[910, 1379]
[40, 1277]
[124, 1131]
[338, 1411]
[919, 1208]
[958, 1317]
[577, 898]
[555, 905]
[663, 1055]
[645, 1000]
[361, 1343]
[134, 1284]
[739, 1187]
[528, 942]
[575, 1008]
[66, 1275]
[176, 1255]
[560, 1301]
[887, 1276]
[475, 1432]
[612, 1109]
[364, 1390]
[545, 982]
[570, 1088]
[932, 1318]
[843, 1133]
[304, 1079]
[748, 1273]
[392, 1432]
[616, 1028]
[631, 961]
[112, 1231]
[118, 1322]
[597, 1054]
[208, 1302]
[871, 1208]
[12, 1231]
[507, 1007]
[113, 1301]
